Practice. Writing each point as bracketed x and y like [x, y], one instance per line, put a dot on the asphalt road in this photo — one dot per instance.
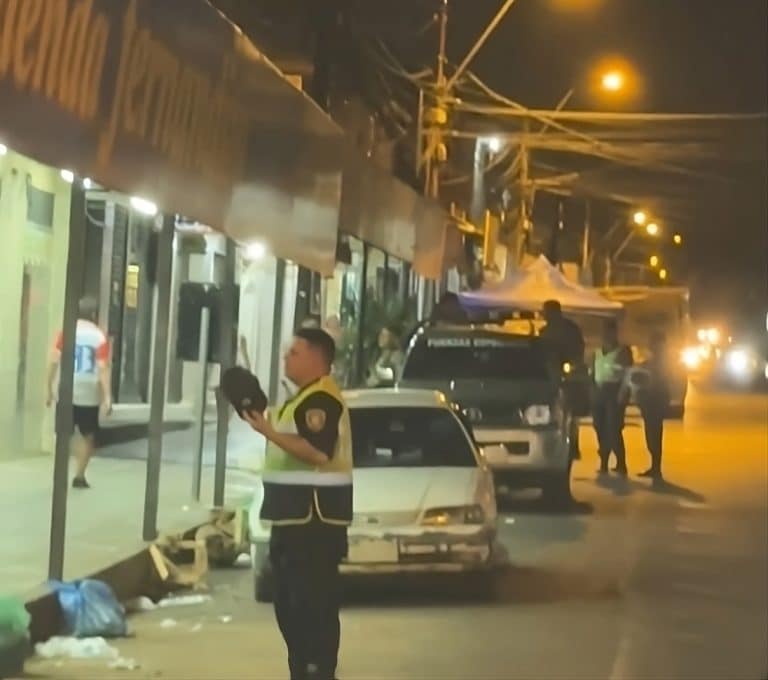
[633, 582]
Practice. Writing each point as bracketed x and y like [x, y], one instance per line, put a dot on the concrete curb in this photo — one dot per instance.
[130, 577]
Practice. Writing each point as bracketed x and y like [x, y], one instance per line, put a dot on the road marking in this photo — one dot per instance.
[692, 505]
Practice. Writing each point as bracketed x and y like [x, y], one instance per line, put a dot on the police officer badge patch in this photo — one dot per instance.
[315, 419]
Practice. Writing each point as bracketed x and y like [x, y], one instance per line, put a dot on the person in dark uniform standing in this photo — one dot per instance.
[565, 342]
[308, 500]
[610, 366]
[651, 389]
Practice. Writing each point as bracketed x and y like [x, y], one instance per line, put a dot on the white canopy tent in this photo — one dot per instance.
[528, 289]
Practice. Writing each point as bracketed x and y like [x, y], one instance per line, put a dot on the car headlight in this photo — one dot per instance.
[740, 362]
[538, 414]
[461, 514]
[691, 358]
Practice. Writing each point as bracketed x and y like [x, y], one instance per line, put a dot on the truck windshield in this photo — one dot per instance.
[467, 358]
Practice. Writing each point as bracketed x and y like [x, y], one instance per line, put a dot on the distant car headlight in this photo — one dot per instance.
[691, 358]
[538, 414]
[461, 514]
[740, 363]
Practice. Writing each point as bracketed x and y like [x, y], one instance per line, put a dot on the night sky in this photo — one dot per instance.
[695, 56]
[689, 55]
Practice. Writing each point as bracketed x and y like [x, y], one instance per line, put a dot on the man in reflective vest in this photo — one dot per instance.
[611, 362]
[308, 501]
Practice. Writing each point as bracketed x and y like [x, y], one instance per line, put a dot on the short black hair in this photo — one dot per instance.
[321, 341]
[88, 309]
[553, 306]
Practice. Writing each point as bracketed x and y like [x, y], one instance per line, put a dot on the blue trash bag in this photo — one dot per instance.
[90, 609]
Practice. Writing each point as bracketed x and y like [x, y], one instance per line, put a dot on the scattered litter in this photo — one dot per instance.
[90, 609]
[184, 601]
[140, 604]
[168, 623]
[243, 560]
[123, 664]
[509, 520]
[77, 648]
[185, 508]
[225, 619]
[197, 627]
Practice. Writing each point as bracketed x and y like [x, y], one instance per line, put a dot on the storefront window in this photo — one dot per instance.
[341, 309]
[390, 315]
[308, 298]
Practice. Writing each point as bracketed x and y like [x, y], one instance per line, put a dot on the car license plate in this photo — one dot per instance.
[369, 551]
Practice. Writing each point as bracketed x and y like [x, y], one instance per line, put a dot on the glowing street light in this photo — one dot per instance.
[639, 218]
[654, 261]
[652, 229]
[613, 81]
[494, 144]
[68, 176]
[663, 274]
[3, 149]
[678, 239]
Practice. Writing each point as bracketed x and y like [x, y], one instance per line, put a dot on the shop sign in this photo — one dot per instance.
[168, 100]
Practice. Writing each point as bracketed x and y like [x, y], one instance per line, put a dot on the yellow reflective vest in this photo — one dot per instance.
[608, 368]
[295, 491]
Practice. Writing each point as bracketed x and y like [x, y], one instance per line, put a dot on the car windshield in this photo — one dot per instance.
[409, 437]
[470, 358]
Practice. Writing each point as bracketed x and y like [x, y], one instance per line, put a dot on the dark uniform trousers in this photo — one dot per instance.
[305, 562]
[653, 413]
[608, 419]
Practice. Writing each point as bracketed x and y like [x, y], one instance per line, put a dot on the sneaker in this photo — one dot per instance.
[620, 470]
[80, 483]
[650, 472]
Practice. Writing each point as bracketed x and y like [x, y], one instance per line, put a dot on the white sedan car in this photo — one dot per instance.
[423, 496]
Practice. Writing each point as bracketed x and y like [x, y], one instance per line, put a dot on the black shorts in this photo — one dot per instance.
[86, 419]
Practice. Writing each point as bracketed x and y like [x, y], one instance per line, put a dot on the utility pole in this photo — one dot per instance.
[439, 113]
[585, 259]
[522, 215]
[436, 116]
[433, 118]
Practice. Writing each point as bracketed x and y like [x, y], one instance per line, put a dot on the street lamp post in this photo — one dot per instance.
[485, 147]
[639, 219]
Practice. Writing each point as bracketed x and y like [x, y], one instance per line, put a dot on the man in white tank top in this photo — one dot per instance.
[92, 389]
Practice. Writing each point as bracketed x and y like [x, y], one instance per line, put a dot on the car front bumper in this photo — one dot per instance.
[411, 549]
[527, 451]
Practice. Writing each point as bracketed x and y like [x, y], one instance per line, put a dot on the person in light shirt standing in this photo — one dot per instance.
[609, 369]
[92, 389]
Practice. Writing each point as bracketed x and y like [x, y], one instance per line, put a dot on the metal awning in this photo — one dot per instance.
[170, 101]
